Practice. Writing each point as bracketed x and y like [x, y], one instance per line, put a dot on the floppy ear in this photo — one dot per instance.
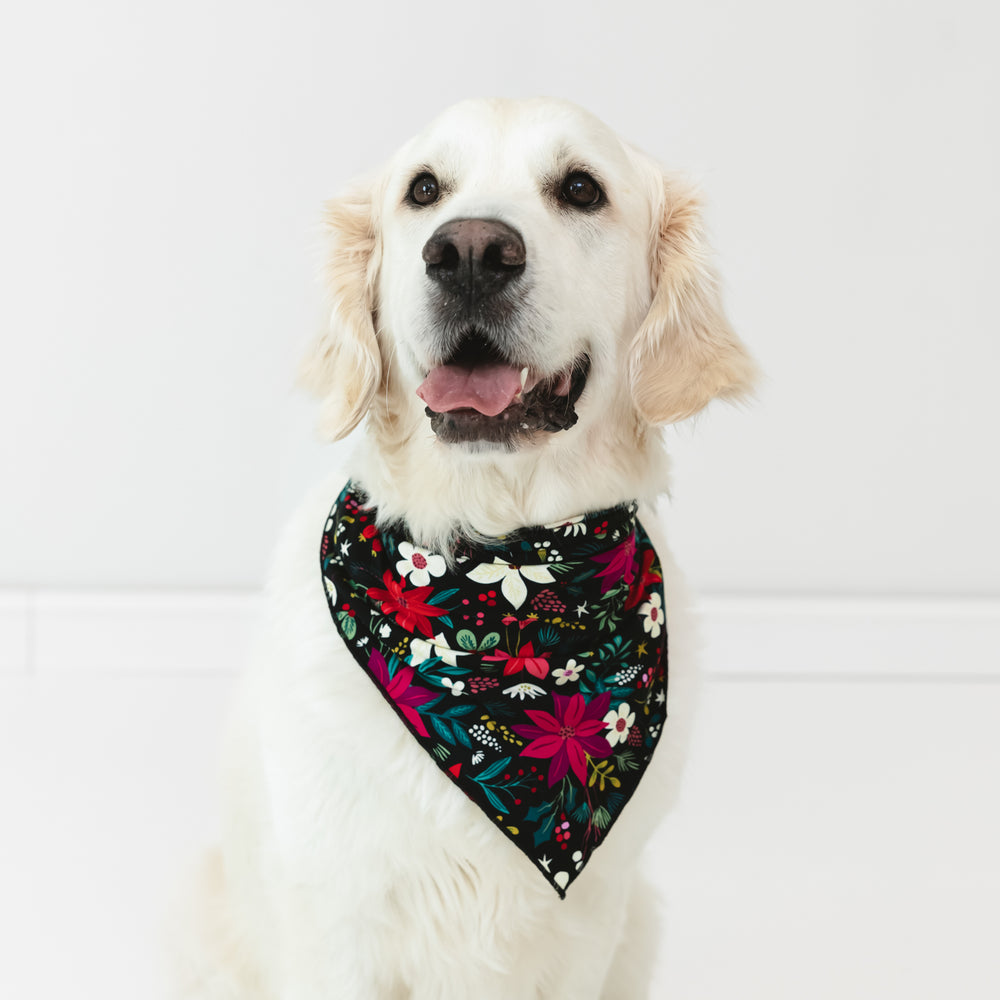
[685, 352]
[343, 365]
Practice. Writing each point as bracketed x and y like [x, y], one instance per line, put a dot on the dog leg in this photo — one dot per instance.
[632, 967]
[327, 960]
[209, 958]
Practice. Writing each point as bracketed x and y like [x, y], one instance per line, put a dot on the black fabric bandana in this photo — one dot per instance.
[534, 672]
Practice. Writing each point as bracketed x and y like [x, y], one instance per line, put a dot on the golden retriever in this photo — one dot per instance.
[518, 302]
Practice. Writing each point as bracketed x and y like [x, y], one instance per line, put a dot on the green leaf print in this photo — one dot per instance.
[466, 640]
[347, 625]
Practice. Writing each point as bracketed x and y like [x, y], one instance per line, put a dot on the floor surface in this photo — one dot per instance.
[834, 840]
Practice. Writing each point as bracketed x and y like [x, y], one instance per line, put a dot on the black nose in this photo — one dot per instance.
[474, 257]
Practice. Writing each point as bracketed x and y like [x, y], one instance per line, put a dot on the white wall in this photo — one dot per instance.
[161, 177]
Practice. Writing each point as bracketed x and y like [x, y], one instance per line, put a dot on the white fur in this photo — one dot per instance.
[370, 876]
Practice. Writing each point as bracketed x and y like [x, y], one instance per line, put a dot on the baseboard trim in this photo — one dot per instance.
[127, 632]
[197, 632]
[863, 638]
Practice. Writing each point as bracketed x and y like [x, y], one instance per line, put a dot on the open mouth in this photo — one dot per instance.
[480, 395]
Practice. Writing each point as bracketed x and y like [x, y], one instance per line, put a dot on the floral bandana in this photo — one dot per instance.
[533, 672]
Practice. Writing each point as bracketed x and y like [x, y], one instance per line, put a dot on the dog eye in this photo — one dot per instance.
[581, 190]
[424, 190]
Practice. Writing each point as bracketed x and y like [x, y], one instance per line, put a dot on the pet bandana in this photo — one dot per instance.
[533, 671]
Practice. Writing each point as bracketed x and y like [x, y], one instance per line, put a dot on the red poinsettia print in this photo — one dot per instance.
[568, 735]
[408, 697]
[524, 659]
[467, 652]
[408, 606]
[648, 576]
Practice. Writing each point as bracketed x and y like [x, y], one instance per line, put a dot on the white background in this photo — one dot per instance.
[161, 175]
[163, 171]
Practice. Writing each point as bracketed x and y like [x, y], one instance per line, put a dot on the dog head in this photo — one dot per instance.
[515, 273]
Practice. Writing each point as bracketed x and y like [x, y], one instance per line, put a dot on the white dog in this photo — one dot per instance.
[518, 302]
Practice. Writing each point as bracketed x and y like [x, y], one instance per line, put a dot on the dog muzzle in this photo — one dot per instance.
[532, 669]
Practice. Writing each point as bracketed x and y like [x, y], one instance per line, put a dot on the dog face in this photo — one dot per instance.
[515, 259]
[517, 270]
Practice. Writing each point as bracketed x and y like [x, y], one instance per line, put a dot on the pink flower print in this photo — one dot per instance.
[619, 564]
[408, 698]
[567, 736]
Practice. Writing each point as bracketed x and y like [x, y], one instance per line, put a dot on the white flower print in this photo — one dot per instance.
[524, 690]
[455, 687]
[571, 526]
[477, 757]
[546, 553]
[508, 575]
[619, 722]
[419, 564]
[385, 631]
[570, 671]
[652, 615]
[424, 649]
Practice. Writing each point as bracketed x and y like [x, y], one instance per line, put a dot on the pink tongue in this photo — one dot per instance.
[490, 389]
